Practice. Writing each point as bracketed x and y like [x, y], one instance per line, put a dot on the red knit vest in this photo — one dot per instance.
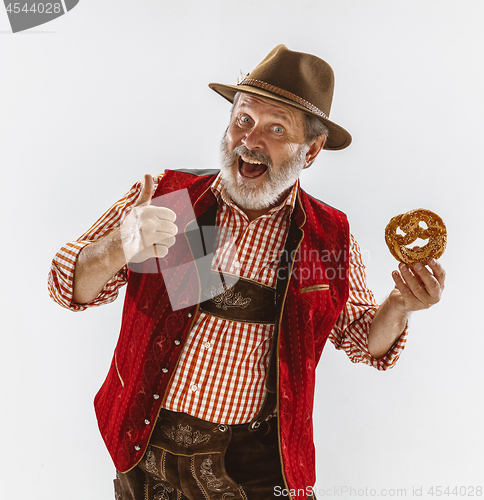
[154, 329]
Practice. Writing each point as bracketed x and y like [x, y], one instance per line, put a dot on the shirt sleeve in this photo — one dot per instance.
[350, 332]
[61, 275]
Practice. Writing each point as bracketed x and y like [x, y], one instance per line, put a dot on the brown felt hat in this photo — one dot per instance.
[300, 80]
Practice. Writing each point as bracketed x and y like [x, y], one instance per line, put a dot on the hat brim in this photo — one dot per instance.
[338, 137]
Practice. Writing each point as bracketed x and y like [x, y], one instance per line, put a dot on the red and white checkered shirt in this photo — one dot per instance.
[221, 373]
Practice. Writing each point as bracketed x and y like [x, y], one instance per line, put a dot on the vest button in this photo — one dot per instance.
[156, 396]
[147, 422]
[189, 315]
[137, 447]
[177, 342]
[164, 370]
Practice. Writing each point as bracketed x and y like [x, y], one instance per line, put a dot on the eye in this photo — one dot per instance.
[278, 130]
[245, 119]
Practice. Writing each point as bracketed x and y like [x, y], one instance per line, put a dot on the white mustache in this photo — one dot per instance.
[254, 155]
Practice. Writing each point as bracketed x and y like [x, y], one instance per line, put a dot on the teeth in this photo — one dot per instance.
[250, 160]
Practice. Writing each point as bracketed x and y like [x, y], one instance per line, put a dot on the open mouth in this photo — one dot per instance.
[250, 168]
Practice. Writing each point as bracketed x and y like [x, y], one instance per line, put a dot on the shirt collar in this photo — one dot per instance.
[222, 197]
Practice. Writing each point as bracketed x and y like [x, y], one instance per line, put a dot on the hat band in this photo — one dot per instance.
[284, 93]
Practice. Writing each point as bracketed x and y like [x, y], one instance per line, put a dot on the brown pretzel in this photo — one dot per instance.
[409, 224]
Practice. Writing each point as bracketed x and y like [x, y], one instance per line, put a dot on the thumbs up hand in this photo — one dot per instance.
[147, 231]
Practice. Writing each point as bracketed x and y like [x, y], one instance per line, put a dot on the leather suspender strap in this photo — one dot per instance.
[284, 272]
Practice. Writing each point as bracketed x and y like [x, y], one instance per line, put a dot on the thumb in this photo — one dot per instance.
[147, 191]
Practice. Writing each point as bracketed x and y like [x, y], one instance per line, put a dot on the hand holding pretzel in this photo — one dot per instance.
[417, 286]
[419, 282]
[147, 231]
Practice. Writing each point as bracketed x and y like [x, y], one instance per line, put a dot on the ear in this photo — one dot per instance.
[314, 148]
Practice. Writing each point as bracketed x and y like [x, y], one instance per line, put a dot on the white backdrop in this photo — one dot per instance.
[115, 89]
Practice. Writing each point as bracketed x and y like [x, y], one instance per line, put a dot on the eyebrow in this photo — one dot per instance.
[276, 115]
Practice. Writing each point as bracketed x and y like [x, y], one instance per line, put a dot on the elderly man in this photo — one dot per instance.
[210, 391]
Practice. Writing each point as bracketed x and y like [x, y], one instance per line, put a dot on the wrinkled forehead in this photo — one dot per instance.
[269, 107]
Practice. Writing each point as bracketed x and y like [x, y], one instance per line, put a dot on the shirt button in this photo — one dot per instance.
[207, 345]
[147, 422]
[164, 370]
[177, 342]
[237, 264]
[156, 396]
[194, 388]
[137, 447]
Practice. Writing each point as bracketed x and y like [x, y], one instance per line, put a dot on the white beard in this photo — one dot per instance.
[257, 197]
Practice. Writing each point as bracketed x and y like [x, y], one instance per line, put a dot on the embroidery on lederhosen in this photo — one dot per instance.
[163, 494]
[225, 297]
[150, 463]
[213, 483]
[151, 467]
[206, 473]
[184, 435]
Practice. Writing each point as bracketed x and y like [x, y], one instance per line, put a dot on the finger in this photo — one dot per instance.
[164, 213]
[159, 227]
[160, 251]
[157, 214]
[153, 232]
[165, 240]
[414, 283]
[147, 191]
[141, 256]
[152, 220]
[438, 270]
[403, 288]
[431, 284]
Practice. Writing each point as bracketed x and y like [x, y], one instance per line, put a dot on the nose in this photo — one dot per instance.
[254, 138]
